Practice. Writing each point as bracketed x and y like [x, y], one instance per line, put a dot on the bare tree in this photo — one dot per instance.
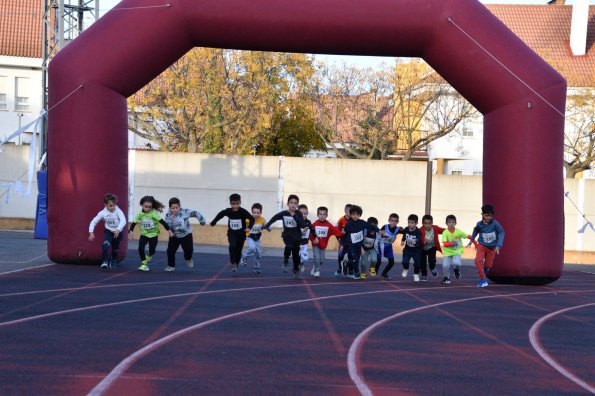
[579, 137]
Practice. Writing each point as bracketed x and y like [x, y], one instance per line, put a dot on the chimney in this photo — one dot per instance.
[578, 27]
[556, 2]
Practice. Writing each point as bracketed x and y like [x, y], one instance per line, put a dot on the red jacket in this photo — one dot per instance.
[324, 231]
[437, 231]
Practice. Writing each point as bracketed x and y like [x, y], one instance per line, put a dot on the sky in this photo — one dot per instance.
[360, 61]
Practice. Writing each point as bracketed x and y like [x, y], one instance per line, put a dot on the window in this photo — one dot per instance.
[23, 88]
[467, 132]
[477, 173]
[3, 92]
[458, 173]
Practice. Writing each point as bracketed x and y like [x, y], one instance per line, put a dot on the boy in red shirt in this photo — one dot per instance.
[323, 230]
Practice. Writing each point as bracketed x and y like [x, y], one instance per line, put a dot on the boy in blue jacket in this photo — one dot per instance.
[491, 237]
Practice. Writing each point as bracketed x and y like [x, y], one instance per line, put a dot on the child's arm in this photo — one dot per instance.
[92, 225]
[250, 220]
[219, 216]
[201, 219]
[473, 235]
[273, 219]
[500, 233]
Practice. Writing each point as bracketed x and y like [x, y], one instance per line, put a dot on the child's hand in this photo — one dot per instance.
[402, 243]
[247, 230]
[269, 229]
[203, 223]
[316, 241]
[497, 250]
[91, 237]
[130, 235]
[171, 233]
[116, 234]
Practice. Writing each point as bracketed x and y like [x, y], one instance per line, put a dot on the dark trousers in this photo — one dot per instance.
[389, 266]
[236, 241]
[428, 257]
[110, 241]
[355, 252]
[412, 254]
[344, 250]
[293, 250]
[142, 242]
[173, 245]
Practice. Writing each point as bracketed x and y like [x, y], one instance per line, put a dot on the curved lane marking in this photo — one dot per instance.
[536, 344]
[354, 351]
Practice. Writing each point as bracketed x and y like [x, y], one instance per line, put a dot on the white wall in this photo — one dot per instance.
[12, 68]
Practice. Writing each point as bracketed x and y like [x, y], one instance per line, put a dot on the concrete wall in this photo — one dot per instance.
[204, 182]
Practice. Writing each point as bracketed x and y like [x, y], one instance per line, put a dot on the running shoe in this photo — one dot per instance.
[424, 278]
[404, 273]
[372, 271]
[302, 267]
[446, 280]
[143, 267]
[170, 269]
[190, 263]
[363, 276]
[386, 277]
[104, 265]
[415, 277]
[482, 283]
[317, 274]
[234, 268]
[284, 267]
[434, 273]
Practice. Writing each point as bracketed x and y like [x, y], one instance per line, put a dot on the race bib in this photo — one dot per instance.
[306, 233]
[489, 237]
[235, 224]
[411, 240]
[147, 224]
[256, 229]
[289, 222]
[111, 221]
[321, 232]
[357, 237]
[369, 242]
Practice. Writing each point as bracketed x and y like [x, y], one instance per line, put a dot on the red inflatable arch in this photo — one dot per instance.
[124, 50]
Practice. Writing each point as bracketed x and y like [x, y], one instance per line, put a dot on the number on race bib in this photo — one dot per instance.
[306, 233]
[321, 232]
[235, 224]
[357, 237]
[289, 222]
[256, 229]
[489, 237]
[147, 224]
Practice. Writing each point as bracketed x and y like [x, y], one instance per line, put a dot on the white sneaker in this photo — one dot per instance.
[103, 265]
[312, 271]
[317, 274]
[302, 267]
[170, 269]
[404, 273]
[415, 277]
[190, 263]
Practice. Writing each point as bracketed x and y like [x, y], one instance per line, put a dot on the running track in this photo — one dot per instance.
[77, 330]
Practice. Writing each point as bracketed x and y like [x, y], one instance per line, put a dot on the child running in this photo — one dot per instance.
[306, 231]
[343, 250]
[491, 238]
[453, 248]
[293, 222]
[413, 246]
[178, 220]
[114, 221]
[371, 247]
[149, 220]
[431, 244]
[386, 246]
[239, 222]
[355, 230]
[323, 230]
[253, 238]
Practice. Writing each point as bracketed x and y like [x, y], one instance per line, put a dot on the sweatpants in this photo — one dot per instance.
[294, 252]
[355, 252]
[449, 261]
[110, 241]
[368, 260]
[173, 245]
[142, 242]
[412, 254]
[236, 244]
[484, 256]
[428, 258]
[253, 250]
[319, 257]
[304, 253]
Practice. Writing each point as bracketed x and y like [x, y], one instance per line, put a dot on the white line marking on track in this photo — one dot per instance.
[25, 262]
[25, 269]
[125, 364]
[536, 344]
[354, 351]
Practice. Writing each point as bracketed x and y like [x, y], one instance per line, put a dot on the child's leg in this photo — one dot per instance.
[416, 262]
[406, 258]
[457, 262]
[363, 262]
[142, 242]
[172, 247]
[424, 262]
[257, 255]
[152, 247]
[295, 256]
[446, 262]
[354, 260]
[116, 248]
[432, 260]
[304, 254]
[108, 238]
[187, 246]
[483, 254]
[250, 251]
[316, 252]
